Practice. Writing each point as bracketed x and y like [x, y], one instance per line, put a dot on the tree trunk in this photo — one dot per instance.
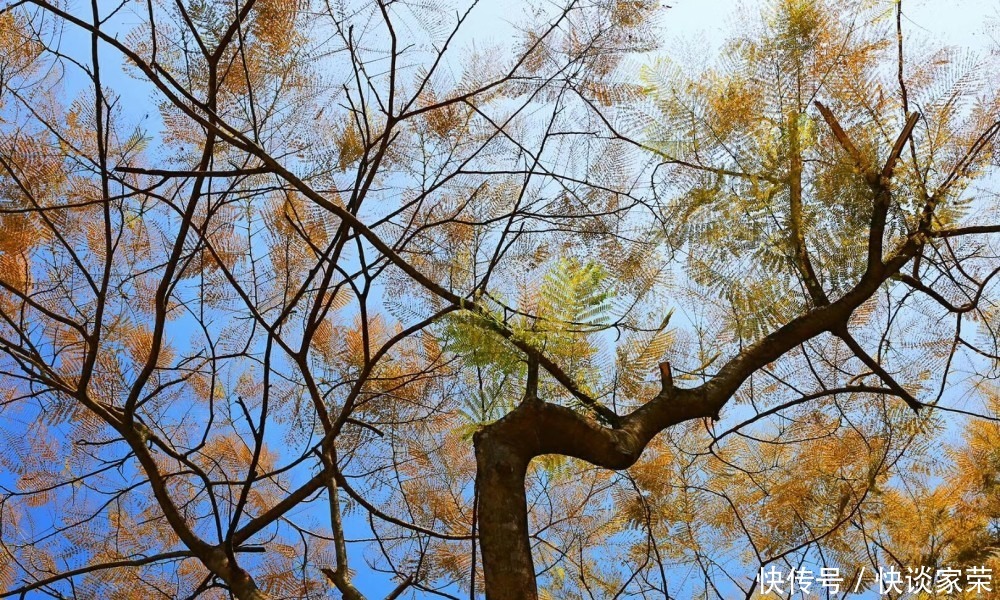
[503, 519]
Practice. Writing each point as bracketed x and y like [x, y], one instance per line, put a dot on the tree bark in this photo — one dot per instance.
[503, 519]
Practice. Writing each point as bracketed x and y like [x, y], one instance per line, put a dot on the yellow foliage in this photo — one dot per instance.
[349, 143]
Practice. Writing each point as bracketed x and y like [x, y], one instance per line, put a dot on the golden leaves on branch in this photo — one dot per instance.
[632, 13]
[6, 575]
[18, 50]
[19, 232]
[282, 575]
[298, 231]
[291, 216]
[323, 340]
[535, 51]
[138, 341]
[15, 271]
[355, 348]
[225, 247]
[327, 335]
[636, 359]
[228, 455]
[201, 385]
[350, 145]
[274, 24]
[448, 121]
[612, 94]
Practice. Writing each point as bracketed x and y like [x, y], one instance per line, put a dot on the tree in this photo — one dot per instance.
[276, 276]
